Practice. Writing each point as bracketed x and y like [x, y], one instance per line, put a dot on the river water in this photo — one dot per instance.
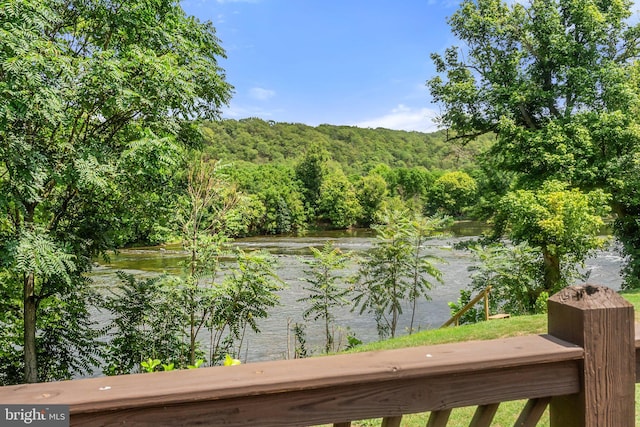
[275, 341]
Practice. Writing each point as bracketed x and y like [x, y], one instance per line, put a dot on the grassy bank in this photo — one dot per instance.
[515, 326]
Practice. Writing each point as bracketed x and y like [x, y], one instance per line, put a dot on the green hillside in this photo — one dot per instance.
[356, 149]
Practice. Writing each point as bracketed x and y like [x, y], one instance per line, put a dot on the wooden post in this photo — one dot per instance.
[486, 306]
[600, 321]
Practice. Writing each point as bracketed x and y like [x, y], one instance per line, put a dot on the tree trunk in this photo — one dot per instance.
[30, 306]
[413, 309]
[192, 339]
[327, 332]
[416, 277]
[551, 271]
[192, 282]
[394, 309]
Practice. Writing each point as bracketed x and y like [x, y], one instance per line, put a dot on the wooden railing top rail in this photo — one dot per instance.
[586, 380]
[322, 389]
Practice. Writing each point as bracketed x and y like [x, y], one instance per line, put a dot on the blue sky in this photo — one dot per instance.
[343, 62]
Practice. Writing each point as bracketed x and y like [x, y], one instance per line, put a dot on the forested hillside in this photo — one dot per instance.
[100, 149]
[356, 149]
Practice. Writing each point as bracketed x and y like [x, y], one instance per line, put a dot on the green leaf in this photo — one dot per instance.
[230, 361]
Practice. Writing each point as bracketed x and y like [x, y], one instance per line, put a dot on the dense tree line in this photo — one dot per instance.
[316, 192]
[98, 144]
[108, 137]
[357, 150]
[96, 104]
[556, 82]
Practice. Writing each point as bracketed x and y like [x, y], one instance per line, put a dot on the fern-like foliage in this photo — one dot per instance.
[36, 252]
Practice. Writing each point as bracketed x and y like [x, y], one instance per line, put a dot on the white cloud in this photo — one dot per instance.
[261, 94]
[240, 112]
[404, 118]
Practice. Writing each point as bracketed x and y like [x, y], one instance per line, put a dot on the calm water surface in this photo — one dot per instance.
[272, 343]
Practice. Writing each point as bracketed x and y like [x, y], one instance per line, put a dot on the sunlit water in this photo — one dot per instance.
[276, 341]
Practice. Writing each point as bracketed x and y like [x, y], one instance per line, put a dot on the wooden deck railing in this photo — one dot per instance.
[584, 369]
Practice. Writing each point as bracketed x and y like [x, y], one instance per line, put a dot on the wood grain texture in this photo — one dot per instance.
[391, 422]
[439, 418]
[532, 412]
[320, 390]
[602, 322]
[360, 401]
[214, 383]
[585, 367]
[483, 415]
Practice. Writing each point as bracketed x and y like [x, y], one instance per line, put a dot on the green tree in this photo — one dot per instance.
[422, 264]
[411, 182]
[81, 83]
[396, 269]
[563, 223]
[357, 150]
[280, 194]
[451, 193]
[338, 200]
[516, 276]
[161, 317]
[556, 82]
[371, 192]
[325, 292]
[245, 296]
[209, 199]
[310, 171]
[381, 283]
[144, 323]
[493, 184]
[11, 325]
[146, 186]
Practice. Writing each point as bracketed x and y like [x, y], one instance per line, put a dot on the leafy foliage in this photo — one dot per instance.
[371, 193]
[95, 101]
[451, 193]
[325, 291]
[11, 322]
[144, 324]
[557, 82]
[338, 201]
[356, 150]
[395, 269]
[515, 274]
[279, 205]
[311, 172]
[422, 264]
[564, 224]
[245, 296]
[298, 177]
[156, 318]
[36, 252]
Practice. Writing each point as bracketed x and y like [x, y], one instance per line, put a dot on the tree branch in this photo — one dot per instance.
[63, 209]
[526, 116]
[470, 136]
